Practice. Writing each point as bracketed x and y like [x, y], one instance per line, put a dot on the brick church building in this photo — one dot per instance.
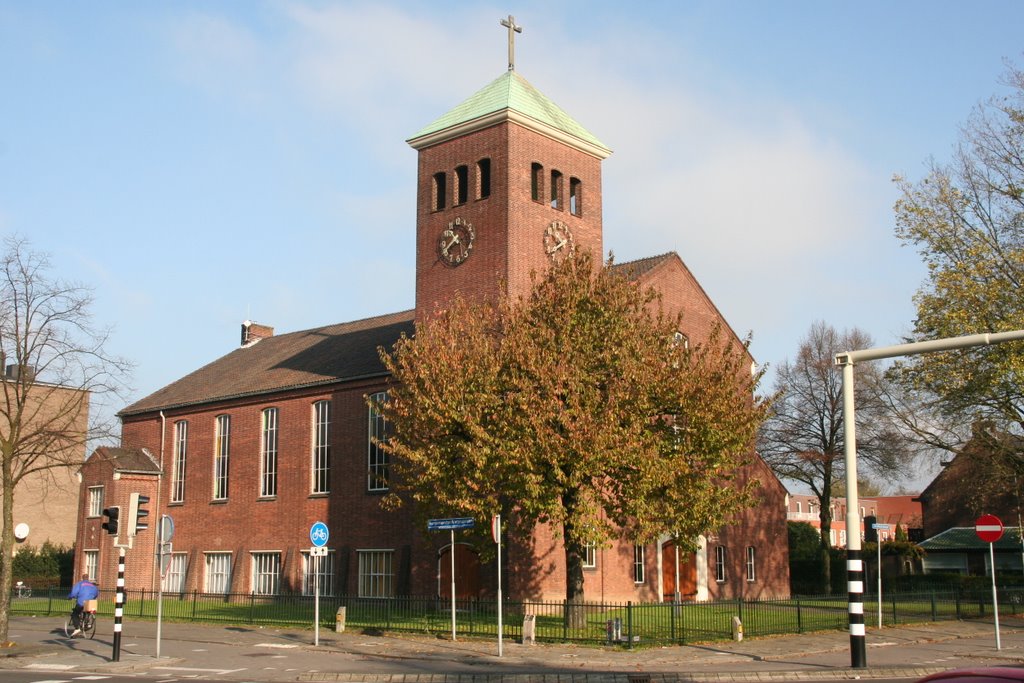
[247, 452]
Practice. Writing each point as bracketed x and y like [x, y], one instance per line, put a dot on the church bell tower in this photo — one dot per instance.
[507, 183]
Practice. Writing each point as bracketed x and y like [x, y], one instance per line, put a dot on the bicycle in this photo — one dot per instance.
[22, 590]
[87, 622]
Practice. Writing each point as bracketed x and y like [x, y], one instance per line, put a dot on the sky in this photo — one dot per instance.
[202, 163]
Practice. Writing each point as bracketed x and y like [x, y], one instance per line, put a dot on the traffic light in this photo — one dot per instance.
[870, 532]
[110, 519]
[137, 513]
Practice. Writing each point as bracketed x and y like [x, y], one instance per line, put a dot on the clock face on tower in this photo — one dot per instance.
[558, 241]
[456, 242]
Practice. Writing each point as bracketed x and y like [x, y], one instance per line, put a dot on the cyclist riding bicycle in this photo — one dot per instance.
[82, 591]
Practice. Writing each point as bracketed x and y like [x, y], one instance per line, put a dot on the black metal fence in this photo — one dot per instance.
[627, 623]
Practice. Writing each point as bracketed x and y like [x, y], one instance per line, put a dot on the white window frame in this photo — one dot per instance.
[95, 501]
[376, 573]
[265, 574]
[638, 564]
[720, 573]
[214, 575]
[91, 563]
[751, 564]
[178, 464]
[221, 457]
[326, 573]
[174, 577]
[268, 452]
[320, 462]
[377, 458]
[590, 555]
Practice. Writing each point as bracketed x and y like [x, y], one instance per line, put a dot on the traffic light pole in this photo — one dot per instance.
[854, 559]
[119, 602]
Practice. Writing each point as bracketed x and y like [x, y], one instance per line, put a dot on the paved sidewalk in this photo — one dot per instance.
[255, 653]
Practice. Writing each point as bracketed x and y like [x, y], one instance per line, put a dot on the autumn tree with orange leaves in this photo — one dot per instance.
[574, 406]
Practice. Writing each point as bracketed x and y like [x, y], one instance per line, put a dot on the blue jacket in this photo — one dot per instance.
[84, 590]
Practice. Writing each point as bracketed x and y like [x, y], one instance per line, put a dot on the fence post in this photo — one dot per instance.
[49, 601]
[252, 606]
[799, 618]
[934, 615]
[895, 619]
[678, 609]
[629, 624]
[195, 597]
[672, 620]
[957, 598]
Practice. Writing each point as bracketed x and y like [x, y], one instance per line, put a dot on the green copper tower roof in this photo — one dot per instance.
[510, 97]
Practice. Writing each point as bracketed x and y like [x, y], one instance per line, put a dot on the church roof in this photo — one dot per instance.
[510, 97]
[323, 355]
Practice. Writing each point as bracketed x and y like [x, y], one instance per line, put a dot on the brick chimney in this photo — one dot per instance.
[253, 332]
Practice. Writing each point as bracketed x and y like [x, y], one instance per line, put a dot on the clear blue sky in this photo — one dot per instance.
[200, 163]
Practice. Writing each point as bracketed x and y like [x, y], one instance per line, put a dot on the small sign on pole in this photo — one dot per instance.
[878, 542]
[451, 524]
[318, 535]
[990, 529]
[164, 550]
[496, 535]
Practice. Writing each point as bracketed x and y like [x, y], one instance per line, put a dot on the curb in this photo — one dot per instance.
[619, 677]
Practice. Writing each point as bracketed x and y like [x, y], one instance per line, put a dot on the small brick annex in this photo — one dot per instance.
[247, 452]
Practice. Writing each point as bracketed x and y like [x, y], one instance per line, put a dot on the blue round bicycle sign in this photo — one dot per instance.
[319, 534]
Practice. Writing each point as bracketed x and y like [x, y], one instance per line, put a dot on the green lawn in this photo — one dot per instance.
[650, 623]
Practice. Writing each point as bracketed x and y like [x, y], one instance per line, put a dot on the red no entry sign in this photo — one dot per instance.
[988, 528]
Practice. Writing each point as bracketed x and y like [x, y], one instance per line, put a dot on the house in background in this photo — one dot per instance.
[958, 550]
[247, 452]
[45, 502]
[953, 501]
[892, 510]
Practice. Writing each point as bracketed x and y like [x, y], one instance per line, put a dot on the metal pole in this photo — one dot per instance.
[995, 599]
[119, 603]
[160, 583]
[316, 596]
[878, 540]
[451, 549]
[500, 628]
[854, 562]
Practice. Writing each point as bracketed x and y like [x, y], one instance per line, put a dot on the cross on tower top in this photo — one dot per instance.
[513, 29]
